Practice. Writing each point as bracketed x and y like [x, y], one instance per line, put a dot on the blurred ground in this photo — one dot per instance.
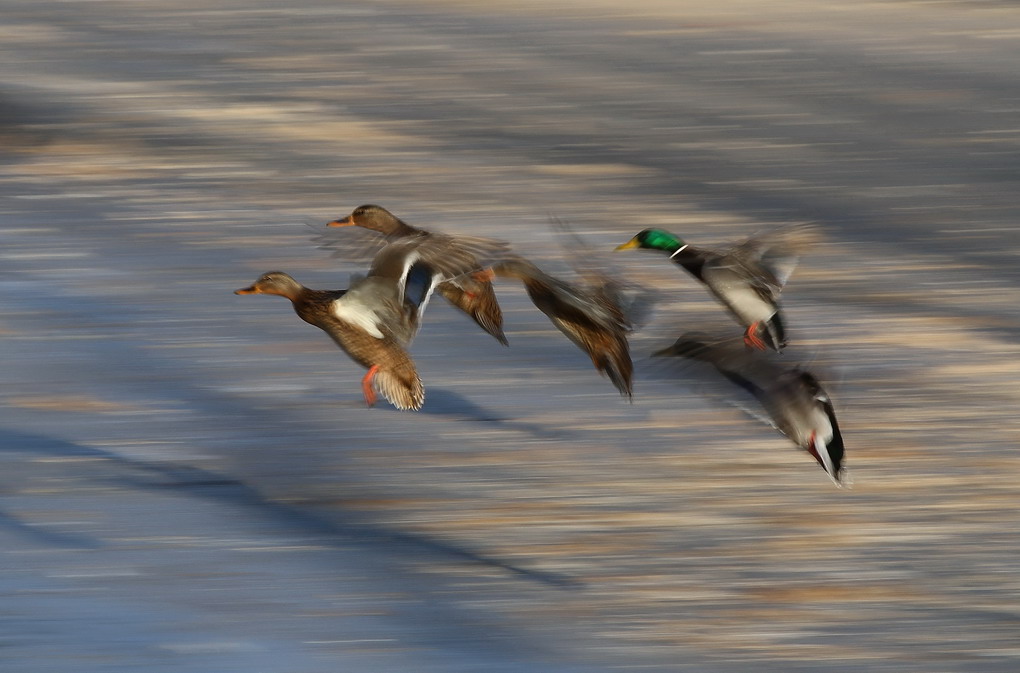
[190, 482]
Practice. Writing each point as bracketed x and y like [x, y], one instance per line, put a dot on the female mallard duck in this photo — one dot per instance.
[796, 403]
[592, 318]
[747, 278]
[375, 319]
[471, 293]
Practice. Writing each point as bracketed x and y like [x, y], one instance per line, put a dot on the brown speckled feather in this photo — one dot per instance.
[477, 299]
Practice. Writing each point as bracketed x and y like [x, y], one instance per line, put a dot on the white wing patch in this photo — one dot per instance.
[409, 261]
[358, 315]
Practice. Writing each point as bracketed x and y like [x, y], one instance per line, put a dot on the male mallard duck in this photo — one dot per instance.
[747, 278]
[375, 319]
[471, 293]
[796, 403]
[592, 317]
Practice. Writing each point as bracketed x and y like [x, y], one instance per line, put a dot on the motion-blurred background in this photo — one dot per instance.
[190, 479]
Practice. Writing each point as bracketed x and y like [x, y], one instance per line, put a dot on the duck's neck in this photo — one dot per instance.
[393, 226]
[307, 302]
[690, 258]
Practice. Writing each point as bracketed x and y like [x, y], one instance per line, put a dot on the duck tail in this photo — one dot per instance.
[487, 313]
[837, 453]
[610, 354]
[775, 332]
[620, 370]
[401, 385]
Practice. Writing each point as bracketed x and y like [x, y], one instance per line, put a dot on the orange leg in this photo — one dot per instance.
[366, 385]
[751, 338]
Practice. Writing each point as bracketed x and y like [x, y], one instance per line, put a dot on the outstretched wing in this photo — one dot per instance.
[605, 279]
[771, 257]
[447, 256]
[349, 244]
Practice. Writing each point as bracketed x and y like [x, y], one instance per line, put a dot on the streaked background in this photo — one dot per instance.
[191, 483]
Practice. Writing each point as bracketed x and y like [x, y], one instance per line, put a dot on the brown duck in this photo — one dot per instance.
[377, 317]
[592, 317]
[471, 293]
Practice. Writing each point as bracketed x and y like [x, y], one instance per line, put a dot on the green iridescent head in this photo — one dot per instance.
[654, 239]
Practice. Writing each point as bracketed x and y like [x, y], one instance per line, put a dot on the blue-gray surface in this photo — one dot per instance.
[190, 479]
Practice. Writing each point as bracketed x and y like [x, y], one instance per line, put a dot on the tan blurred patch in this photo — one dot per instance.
[86, 161]
[27, 33]
[79, 403]
[831, 592]
[591, 169]
[295, 123]
[922, 97]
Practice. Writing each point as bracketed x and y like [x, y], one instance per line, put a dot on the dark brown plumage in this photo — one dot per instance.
[590, 317]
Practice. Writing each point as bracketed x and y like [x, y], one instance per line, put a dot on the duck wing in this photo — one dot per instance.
[603, 278]
[772, 256]
[477, 299]
[586, 317]
[791, 399]
[350, 244]
[448, 256]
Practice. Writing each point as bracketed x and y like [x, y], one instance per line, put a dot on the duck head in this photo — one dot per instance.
[273, 282]
[369, 216]
[654, 239]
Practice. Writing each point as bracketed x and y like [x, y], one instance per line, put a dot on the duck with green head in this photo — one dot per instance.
[746, 278]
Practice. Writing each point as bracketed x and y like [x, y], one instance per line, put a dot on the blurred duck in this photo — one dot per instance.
[587, 316]
[597, 314]
[471, 293]
[795, 402]
[747, 278]
[377, 317]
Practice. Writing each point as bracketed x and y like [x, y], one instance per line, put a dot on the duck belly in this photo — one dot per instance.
[741, 298]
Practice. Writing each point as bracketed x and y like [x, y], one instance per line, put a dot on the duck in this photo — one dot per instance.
[375, 319]
[471, 293]
[747, 278]
[593, 318]
[794, 400]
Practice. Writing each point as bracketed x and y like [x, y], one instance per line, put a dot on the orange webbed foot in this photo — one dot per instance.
[366, 385]
[751, 338]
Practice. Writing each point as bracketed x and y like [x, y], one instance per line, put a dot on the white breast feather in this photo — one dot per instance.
[358, 315]
[743, 300]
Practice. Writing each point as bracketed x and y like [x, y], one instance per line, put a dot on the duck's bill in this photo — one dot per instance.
[342, 222]
[247, 290]
[632, 243]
